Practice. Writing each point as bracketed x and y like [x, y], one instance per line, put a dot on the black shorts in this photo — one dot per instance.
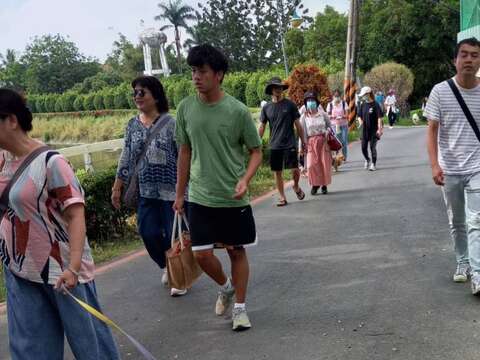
[283, 159]
[233, 226]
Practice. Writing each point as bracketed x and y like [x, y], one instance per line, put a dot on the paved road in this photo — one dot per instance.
[362, 273]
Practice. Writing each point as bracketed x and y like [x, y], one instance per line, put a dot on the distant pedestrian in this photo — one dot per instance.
[454, 151]
[370, 116]
[282, 116]
[156, 170]
[43, 247]
[424, 107]
[337, 111]
[214, 130]
[380, 99]
[316, 123]
[391, 107]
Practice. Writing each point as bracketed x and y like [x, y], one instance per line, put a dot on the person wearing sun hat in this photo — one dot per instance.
[282, 116]
[370, 115]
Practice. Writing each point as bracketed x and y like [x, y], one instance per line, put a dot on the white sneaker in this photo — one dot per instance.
[240, 320]
[475, 284]
[366, 165]
[164, 279]
[462, 273]
[177, 292]
[372, 167]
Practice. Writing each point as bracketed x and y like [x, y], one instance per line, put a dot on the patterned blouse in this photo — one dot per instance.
[315, 124]
[34, 241]
[157, 176]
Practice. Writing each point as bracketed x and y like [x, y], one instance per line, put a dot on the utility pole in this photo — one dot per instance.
[350, 86]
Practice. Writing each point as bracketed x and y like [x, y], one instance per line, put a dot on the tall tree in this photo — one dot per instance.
[420, 34]
[54, 65]
[325, 39]
[177, 14]
[126, 59]
[248, 31]
[12, 72]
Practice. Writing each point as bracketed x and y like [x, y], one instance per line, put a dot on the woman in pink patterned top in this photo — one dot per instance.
[337, 109]
[315, 124]
[43, 247]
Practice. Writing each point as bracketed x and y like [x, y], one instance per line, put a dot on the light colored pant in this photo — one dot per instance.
[342, 135]
[39, 318]
[462, 198]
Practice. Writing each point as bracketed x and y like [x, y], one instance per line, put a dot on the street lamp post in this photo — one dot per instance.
[282, 38]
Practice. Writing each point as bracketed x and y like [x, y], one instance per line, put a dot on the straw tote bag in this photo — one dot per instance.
[182, 268]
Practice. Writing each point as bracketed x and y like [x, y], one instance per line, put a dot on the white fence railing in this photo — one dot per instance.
[87, 150]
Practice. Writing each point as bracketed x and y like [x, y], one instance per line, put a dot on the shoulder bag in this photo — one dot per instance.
[131, 193]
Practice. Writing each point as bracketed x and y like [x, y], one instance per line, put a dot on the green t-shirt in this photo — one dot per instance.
[216, 134]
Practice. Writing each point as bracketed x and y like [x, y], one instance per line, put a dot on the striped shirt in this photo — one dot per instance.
[459, 148]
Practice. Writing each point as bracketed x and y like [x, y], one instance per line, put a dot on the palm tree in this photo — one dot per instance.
[9, 58]
[177, 14]
[195, 37]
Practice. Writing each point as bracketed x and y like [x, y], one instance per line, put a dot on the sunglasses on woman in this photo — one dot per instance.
[139, 93]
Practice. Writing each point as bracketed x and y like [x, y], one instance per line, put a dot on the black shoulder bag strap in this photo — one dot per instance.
[156, 127]
[464, 107]
[25, 164]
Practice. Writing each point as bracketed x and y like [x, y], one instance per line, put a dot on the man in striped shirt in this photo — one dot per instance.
[454, 152]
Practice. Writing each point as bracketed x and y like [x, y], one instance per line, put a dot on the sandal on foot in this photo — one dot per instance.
[282, 202]
[300, 194]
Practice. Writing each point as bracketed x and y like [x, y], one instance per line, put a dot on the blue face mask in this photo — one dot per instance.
[311, 105]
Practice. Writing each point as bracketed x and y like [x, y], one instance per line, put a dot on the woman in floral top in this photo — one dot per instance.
[43, 247]
[157, 176]
[315, 123]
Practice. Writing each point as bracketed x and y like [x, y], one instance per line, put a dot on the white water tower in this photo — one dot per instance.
[153, 39]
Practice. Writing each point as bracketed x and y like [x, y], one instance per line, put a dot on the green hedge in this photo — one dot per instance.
[104, 223]
[246, 87]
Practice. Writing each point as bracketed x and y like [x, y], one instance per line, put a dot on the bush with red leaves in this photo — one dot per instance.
[305, 78]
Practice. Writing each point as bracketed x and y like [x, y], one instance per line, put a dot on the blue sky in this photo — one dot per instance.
[92, 24]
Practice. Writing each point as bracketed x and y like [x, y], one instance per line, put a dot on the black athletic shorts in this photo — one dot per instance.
[233, 226]
[283, 159]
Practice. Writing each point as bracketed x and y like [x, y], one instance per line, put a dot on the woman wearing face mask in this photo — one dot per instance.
[157, 175]
[337, 110]
[370, 116]
[315, 123]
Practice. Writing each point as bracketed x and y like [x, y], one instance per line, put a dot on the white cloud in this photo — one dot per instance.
[92, 24]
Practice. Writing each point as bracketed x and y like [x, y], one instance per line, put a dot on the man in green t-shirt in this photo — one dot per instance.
[213, 129]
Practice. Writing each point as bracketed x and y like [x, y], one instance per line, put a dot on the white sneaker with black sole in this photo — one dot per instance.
[372, 167]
